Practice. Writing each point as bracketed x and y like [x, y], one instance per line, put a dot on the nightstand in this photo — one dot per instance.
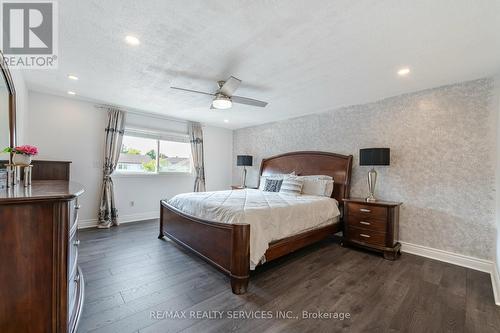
[372, 225]
[239, 187]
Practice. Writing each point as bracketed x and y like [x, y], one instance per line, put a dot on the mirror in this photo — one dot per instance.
[4, 115]
[7, 110]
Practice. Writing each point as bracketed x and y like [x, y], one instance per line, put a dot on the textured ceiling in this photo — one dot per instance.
[300, 56]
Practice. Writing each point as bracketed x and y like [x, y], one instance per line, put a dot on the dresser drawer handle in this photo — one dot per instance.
[77, 278]
[76, 242]
[364, 210]
[365, 223]
[365, 235]
[78, 206]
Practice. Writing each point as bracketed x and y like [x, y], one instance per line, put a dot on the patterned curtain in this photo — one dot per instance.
[115, 126]
[196, 139]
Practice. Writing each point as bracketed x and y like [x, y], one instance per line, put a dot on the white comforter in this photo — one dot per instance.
[271, 215]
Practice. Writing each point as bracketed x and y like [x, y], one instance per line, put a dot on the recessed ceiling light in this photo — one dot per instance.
[226, 121]
[72, 93]
[131, 40]
[404, 71]
[73, 77]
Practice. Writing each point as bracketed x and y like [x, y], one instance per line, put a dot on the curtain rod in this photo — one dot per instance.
[142, 113]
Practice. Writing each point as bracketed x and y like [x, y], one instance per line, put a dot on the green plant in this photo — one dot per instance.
[133, 151]
[152, 154]
[149, 166]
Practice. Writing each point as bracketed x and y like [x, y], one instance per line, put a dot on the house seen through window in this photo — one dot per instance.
[145, 155]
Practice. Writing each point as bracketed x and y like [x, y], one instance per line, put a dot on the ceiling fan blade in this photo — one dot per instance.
[193, 91]
[248, 101]
[230, 86]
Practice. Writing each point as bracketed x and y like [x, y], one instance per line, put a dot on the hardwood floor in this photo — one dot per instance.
[131, 277]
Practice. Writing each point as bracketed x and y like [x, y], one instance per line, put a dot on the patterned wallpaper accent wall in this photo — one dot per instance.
[443, 159]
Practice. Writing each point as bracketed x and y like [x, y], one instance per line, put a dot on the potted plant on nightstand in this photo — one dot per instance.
[22, 154]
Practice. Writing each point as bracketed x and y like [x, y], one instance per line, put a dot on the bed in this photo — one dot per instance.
[217, 225]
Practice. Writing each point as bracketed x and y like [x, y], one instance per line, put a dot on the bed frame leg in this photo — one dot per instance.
[160, 236]
[239, 285]
[240, 259]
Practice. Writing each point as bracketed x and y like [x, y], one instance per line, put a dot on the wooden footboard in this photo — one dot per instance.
[226, 246]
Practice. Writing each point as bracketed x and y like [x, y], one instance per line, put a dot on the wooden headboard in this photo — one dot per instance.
[306, 163]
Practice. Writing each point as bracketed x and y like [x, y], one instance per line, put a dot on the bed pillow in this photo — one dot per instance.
[319, 185]
[273, 185]
[329, 188]
[292, 185]
[317, 177]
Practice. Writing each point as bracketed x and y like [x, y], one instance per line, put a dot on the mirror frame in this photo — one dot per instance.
[12, 100]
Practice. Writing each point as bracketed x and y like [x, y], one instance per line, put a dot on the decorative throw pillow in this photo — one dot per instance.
[292, 185]
[273, 185]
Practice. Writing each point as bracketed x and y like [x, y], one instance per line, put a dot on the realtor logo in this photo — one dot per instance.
[29, 34]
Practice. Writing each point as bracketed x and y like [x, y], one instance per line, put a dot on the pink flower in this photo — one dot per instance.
[26, 150]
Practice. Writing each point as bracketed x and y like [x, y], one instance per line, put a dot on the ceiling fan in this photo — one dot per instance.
[224, 98]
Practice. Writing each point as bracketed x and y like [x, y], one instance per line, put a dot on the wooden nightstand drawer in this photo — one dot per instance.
[366, 236]
[367, 223]
[375, 212]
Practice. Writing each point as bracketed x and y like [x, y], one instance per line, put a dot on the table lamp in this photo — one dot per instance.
[372, 157]
[244, 161]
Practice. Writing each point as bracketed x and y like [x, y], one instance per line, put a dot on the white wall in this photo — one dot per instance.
[496, 101]
[73, 130]
[70, 130]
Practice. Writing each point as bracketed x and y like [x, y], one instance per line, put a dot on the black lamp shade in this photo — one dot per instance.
[244, 160]
[375, 156]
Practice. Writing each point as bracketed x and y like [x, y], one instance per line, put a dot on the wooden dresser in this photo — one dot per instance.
[41, 286]
[372, 225]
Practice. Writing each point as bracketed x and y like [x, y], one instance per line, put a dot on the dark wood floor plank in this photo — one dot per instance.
[105, 318]
[482, 315]
[138, 278]
[130, 275]
[454, 279]
[144, 319]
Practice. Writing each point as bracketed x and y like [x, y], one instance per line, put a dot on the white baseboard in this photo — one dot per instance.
[450, 257]
[92, 223]
[495, 282]
[482, 265]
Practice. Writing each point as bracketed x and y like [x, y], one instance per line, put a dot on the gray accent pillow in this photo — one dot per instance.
[273, 185]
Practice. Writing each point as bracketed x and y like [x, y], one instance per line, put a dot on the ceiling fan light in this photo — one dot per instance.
[222, 102]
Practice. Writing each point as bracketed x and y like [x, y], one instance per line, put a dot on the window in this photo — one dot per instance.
[138, 155]
[147, 153]
[174, 156]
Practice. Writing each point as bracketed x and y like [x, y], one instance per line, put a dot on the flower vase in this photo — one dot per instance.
[21, 159]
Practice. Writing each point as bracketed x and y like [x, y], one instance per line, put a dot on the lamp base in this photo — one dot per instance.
[372, 181]
[370, 199]
[244, 177]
